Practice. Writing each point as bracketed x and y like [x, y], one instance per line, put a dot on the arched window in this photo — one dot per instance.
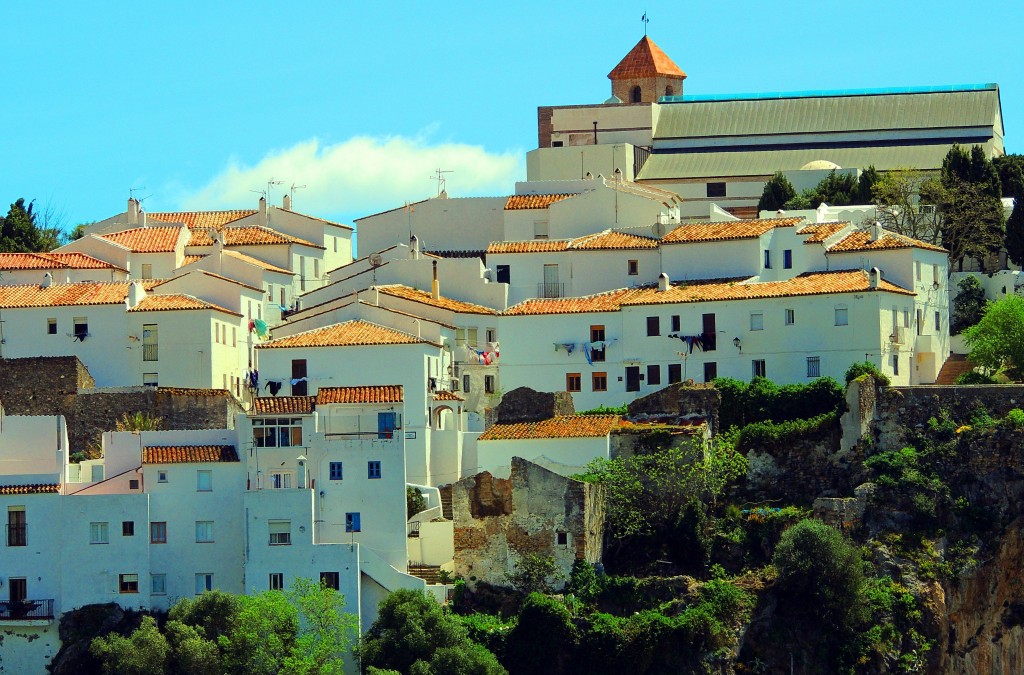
[669, 91]
[634, 96]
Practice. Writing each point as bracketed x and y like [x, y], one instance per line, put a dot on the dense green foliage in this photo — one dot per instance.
[974, 377]
[606, 410]
[21, 231]
[969, 200]
[768, 434]
[535, 572]
[904, 202]
[861, 368]
[996, 342]
[762, 400]
[414, 501]
[777, 191]
[968, 306]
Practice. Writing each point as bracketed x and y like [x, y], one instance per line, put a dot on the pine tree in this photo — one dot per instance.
[1015, 229]
[777, 191]
[866, 184]
[18, 231]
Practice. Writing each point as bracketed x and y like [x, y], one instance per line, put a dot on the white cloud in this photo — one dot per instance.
[361, 175]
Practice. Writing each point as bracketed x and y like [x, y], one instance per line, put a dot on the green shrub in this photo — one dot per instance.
[762, 400]
[414, 501]
[606, 410]
[583, 581]
[860, 368]
[1015, 418]
[974, 377]
[770, 434]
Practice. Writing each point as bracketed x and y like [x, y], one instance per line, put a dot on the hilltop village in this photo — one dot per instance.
[289, 395]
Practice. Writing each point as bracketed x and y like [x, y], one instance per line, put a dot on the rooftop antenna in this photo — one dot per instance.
[441, 180]
[646, 21]
[270, 185]
[132, 191]
[262, 193]
[295, 187]
[376, 260]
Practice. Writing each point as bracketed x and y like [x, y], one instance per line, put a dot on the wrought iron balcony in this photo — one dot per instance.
[26, 610]
[550, 290]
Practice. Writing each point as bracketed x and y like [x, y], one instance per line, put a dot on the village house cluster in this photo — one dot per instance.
[632, 258]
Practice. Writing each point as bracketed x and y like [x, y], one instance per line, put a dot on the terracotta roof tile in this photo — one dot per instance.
[32, 489]
[561, 426]
[529, 246]
[723, 231]
[256, 261]
[282, 405]
[348, 334]
[861, 241]
[214, 219]
[67, 295]
[446, 396]
[200, 237]
[819, 232]
[188, 454]
[646, 59]
[214, 275]
[601, 241]
[416, 295]
[386, 393]
[146, 239]
[189, 259]
[176, 301]
[52, 261]
[246, 235]
[602, 302]
[520, 202]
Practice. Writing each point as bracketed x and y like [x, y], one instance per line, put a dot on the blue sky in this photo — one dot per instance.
[197, 103]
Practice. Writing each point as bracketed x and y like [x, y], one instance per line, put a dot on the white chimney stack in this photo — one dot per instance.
[135, 294]
[263, 211]
[663, 282]
[414, 247]
[875, 277]
[876, 231]
[47, 280]
[435, 288]
[286, 203]
[133, 211]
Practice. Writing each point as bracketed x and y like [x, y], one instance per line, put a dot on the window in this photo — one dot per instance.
[204, 531]
[675, 323]
[540, 229]
[551, 288]
[204, 480]
[299, 380]
[158, 584]
[149, 379]
[895, 364]
[632, 267]
[373, 469]
[654, 374]
[653, 326]
[597, 335]
[387, 422]
[466, 337]
[128, 528]
[465, 383]
[128, 583]
[81, 328]
[767, 259]
[813, 366]
[488, 384]
[599, 381]
[17, 589]
[756, 321]
[842, 316]
[161, 476]
[281, 480]
[710, 371]
[938, 322]
[635, 95]
[556, 144]
[133, 484]
[790, 317]
[158, 533]
[280, 532]
[917, 269]
[675, 373]
[147, 271]
[330, 580]
[352, 522]
[491, 334]
[573, 382]
[336, 472]
[757, 368]
[920, 321]
[16, 526]
[51, 326]
[276, 582]
[562, 538]
[716, 190]
[234, 336]
[204, 582]
[98, 533]
[787, 259]
[906, 318]
[277, 432]
[502, 274]
[709, 333]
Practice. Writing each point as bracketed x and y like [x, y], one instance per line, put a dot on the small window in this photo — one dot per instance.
[935, 275]
[158, 533]
[128, 528]
[597, 335]
[330, 580]
[653, 326]
[813, 366]
[280, 532]
[573, 382]
[790, 317]
[756, 321]
[917, 269]
[204, 480]
[710, 371]
[635, 96]
[556, 144]
[81, 328]
[906, 318]
[204, 582]
[716, 190]
[767, 259]
[787, 259]
[465, 383]
[128, 583]
[842, 316]
[491, 334]
[149, 379]
[276, 582]
[336, 472]
[654, 374]
[51, 326]
[502, 274]
[632, 267]
[158, 584]
[599, 381]
[204, 531]
[488, 384]
[373, 469]
[147, 271]
[161, 476]
[676, 323]
[133, 483]
[895, 364]
[757, 368]
[352, 522]
[562, 538]
[675, 373]
[938, 322]
[98, 533]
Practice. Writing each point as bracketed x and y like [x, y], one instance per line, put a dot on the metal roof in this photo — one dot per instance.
[810, 93]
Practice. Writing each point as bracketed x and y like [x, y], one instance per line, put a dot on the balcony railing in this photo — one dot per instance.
[149, 352]
[550, 290]
[16, 535]
[22, 610]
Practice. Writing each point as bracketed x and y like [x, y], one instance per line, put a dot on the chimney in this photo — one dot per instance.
[663, 282]
[135, 294]
[286, 203]
[300, 479]
[47, 280]
[874, 277]
[876, 231]
[133, 211]
[263, 211]
[414, 247]
[435, 289]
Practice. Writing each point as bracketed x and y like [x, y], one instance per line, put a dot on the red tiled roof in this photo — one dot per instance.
[214, 219]
[646, 59]
[256, 261]
[724, 231]
[601, 241]
[349, 334]
[67, 295]
[416, 295]
[52, 261]
[189, 259]
[283, 405]
[529, 246]
[602, 302]
[32, 489]
[386, 393]
[146, 239]
[520, 202]
[819, 232]
[187, 454]
[246, 235]
[176, 301]
[561, 426]
[447, 396]
[861, 241]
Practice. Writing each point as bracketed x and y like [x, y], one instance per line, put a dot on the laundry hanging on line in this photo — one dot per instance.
[690, 340]
[274, 386]
[568, 347]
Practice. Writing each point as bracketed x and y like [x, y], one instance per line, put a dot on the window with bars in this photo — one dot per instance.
[813, 366]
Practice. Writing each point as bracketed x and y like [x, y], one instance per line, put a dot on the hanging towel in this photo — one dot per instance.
[586, 353]
[261, 327]
[569, 347]
[299, 379]
[273, 387]
[252, 325]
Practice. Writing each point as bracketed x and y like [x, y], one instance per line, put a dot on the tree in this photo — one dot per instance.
[804, 200]
[836, 189]
[777, 191]
[18, 232]
[899, 205]
[262, 635]
[533, 572]
[997, 341]
[1015, 229]
[866, 184]
[326, 633]
[414, 502]
[972, 214]
[139, 422]
[144, 652]
[968, 306]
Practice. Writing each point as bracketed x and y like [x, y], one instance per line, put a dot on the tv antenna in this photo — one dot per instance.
[132, 191]
[375, 260]
[270, 186]
[295, 187]
[441, 180]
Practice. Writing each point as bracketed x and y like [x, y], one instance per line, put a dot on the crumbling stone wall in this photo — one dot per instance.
[499, 520]
[681, 402]
[42, 385]
[529, 405]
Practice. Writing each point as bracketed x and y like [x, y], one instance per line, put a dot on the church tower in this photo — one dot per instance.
[645, 74]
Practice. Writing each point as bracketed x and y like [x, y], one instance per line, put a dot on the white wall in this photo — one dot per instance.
[440, 223]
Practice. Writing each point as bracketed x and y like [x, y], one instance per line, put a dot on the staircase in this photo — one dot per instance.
[446, 501]
[429, 573]
[955, 366]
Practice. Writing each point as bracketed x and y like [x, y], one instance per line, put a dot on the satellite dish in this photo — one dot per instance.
[376, 260]
[658, 229]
